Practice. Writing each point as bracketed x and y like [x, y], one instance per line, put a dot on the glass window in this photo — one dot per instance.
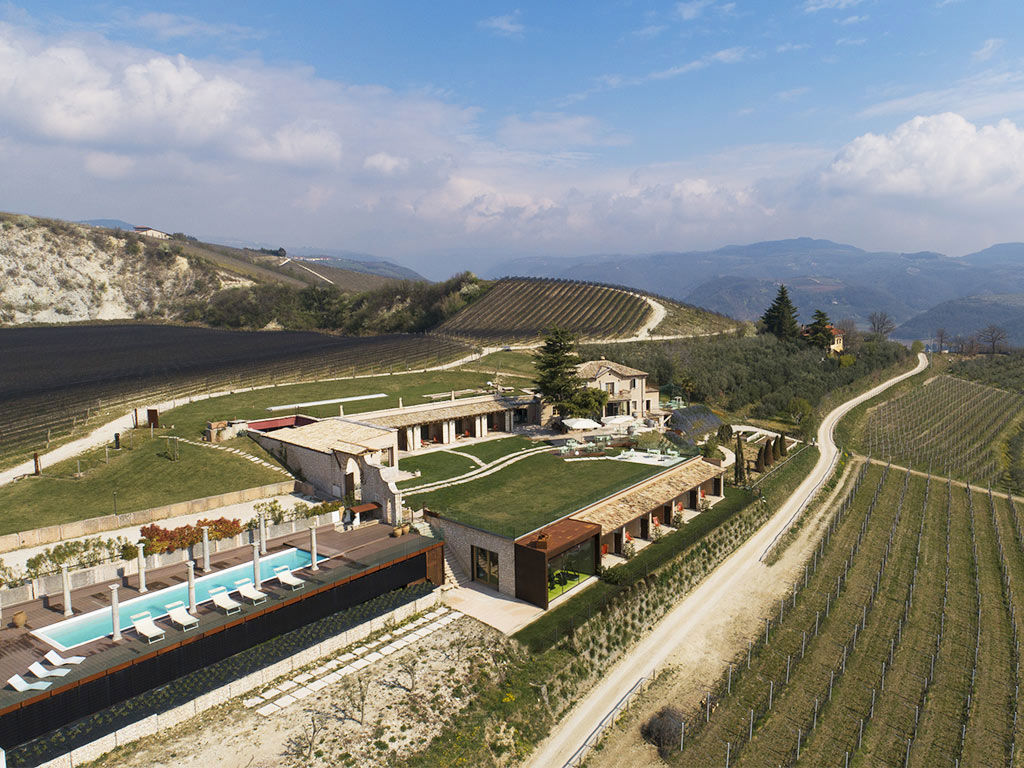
[485, 566]
[570, 569]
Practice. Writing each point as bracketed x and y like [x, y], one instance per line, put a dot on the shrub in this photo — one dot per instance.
[663, 730]
[160, 540]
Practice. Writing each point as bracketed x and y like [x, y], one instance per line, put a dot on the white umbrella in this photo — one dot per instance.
[581, 423]
[620, 419]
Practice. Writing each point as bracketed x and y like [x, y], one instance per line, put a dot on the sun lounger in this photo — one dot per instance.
[18, 683]
[146, 627]
[283, 574]
[58, 661]
[224, 602]
[37, 669]
[178, 613]
[248, 590]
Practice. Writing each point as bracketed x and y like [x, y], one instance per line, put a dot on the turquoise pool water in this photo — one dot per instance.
[77, 630]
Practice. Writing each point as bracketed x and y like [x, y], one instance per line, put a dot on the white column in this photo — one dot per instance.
[256, 564]
[141, 546]
[206, 548]
[66, 581]
[412, 439]
[191, 586]
[508, 421]
[482, 432]
[3, 759]
[115, 612]
[312, 546]
[263, 533]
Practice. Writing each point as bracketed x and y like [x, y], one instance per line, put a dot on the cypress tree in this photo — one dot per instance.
[780, 318]
[776, 449]
[740, 468]
[556, 363]
[783, 451]
[759, 465]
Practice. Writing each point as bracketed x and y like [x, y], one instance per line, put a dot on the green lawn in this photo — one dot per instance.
[439, 465]
[495, 449]
[190, 420]
[513, 363]
[143, 477]
[532, 492]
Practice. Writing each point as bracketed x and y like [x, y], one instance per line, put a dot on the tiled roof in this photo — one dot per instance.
[594, 368]
[452, 409]
[648, 496]
[329, 435]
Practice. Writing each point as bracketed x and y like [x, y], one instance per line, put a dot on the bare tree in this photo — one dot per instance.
[940, 337]
[301, 747]
[355, 693]
[848, 327]
[409, 665]
[993, 336]
[970, 346]
[881, 324]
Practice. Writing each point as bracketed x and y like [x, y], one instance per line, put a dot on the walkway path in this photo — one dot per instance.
[686, 622]
[475, 474]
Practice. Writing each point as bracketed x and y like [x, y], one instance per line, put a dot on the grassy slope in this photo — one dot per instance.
[438, 465]
[495, 449]
[143, 477]
[532, 492]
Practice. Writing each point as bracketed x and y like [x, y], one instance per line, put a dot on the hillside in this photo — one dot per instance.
[59, 272]
[843, 280]
[965, 317]
[520, 309]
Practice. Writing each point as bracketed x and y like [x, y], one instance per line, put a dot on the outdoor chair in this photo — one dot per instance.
[178, 613]
[248, 590]
[146, 627]
[58, 661]
[285, 578]
[18, 683]
[37, 669]
[223, 601]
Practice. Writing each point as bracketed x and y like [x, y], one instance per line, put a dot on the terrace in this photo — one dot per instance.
[347, 559]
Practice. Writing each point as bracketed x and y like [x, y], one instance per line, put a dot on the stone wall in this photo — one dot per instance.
[459, 540]
[154, 724]
[95, 525]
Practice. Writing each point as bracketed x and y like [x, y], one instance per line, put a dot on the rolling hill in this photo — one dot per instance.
[518, 309]
[964, 317]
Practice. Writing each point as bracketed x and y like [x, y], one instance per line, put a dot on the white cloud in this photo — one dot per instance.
[506, 26]
[988, 49]
[386, 164]
[852, 20]
[793, 93]
[109, 165]
[166, 26]
[787, 47]
[553, 130]
[688, 11]
[851, 41]
[986, 95]
[651, 30]
[812, 6]
[941, 156]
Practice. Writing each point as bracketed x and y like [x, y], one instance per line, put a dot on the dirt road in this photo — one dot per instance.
[686, 624]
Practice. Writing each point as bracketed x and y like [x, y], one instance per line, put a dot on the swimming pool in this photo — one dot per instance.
[78, 630]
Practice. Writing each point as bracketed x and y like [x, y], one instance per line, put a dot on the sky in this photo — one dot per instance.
[455, 135]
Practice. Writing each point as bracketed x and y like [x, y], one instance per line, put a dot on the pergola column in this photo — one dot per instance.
[66, 581]
[256, 564]
[115, 612]
[263, 531]
[191, 586]
[412, 440]
[141, 547]
[312, 547]
[508, 421]
[206, 548]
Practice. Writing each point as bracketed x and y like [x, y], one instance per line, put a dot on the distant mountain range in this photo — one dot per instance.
[843, 280]
[109, 224]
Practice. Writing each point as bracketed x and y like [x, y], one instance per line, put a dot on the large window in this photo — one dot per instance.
[570, 568]
[485, 566]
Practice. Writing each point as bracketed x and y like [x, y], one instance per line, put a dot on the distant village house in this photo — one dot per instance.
[150, 232]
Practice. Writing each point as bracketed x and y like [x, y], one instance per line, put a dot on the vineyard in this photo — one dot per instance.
[519, 308]
[948, 426]
[1002, 371]
[68, 379]
[898, 644]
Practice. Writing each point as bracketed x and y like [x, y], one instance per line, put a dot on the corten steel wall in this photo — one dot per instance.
[532, 575]
[50, 712]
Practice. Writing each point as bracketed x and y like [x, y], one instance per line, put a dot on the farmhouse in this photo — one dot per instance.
[150, 232]
[628, 392]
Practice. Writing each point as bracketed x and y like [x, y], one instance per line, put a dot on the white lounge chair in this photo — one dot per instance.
[58, 661]
[224, 602]
[178, 613]
[18, 683]
[248, 590]
[146, 627]
[284, 577]
[37, 669]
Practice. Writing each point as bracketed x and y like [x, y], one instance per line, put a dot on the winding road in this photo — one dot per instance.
[685, 623]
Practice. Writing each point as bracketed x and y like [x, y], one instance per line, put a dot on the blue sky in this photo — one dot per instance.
[455, 135]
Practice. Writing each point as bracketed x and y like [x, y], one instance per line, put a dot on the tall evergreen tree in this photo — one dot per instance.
[556, 362]
[819, 332]
[780, 318]
[776, 449]
[740, 468]
[782, 446]
[759, 464]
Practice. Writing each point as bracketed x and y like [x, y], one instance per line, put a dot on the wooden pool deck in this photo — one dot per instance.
[350, 554]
